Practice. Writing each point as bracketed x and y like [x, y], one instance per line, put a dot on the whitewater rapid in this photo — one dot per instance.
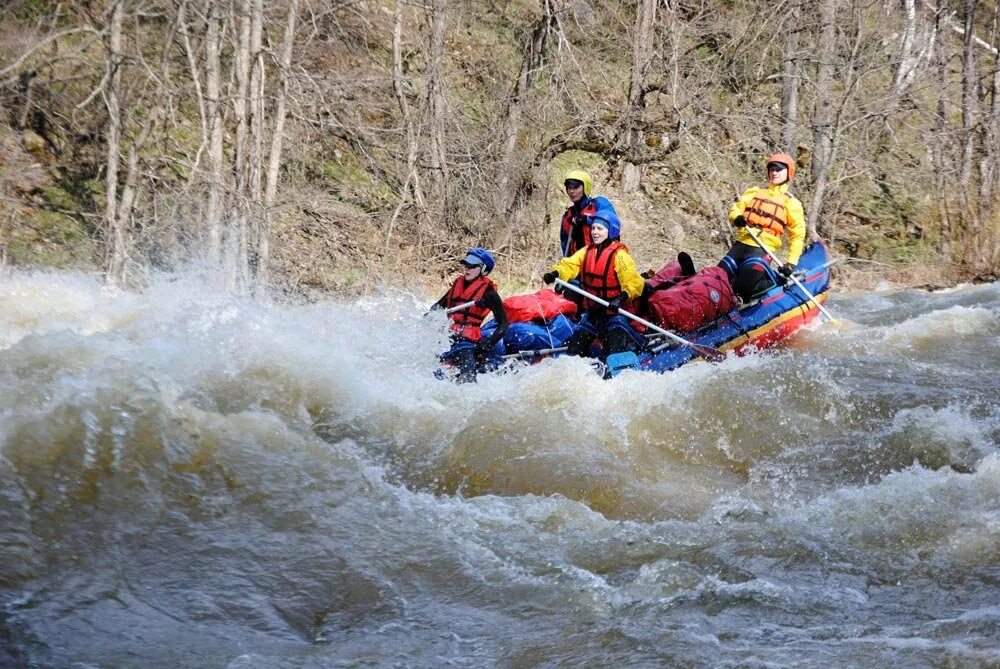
[190, 478]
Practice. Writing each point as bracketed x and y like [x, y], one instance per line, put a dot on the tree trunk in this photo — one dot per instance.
[277, 136]
[437, 103]
[969, 85]
[255, 165]
[411, 183]
[534, 55]
[939, 142]
[642, 55]
[117, 235]
[970, 82]
[790, 80]
[236, 261]
[216, 155]
[823, 116]
[988, 159]
[285, 63]
[908, 60]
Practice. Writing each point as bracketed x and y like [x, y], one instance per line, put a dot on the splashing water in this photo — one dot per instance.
[192, 479]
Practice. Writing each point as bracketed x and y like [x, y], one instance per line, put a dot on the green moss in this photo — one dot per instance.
[52, 239]
[346, 181]
[576, 160]
[33, 10]
[889, 210]
[59, 198]
[344, 173]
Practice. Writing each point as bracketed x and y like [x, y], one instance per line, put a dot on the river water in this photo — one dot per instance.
[193, 479]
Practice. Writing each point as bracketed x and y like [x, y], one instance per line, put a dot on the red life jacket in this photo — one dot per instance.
[466, 323]
[598, 276]
[568, 225]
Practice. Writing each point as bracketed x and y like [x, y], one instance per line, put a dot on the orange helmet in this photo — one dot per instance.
[785, 160]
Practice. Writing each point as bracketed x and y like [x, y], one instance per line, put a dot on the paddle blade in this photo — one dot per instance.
[709, 353]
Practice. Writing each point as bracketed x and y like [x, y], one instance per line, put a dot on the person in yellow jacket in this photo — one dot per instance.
[606, 270]
[772, 211]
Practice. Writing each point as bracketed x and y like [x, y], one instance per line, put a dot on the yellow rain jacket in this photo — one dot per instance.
[794, 219]
[628, 276]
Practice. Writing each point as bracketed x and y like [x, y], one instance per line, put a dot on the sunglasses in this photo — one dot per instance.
[776, 167]
[573, 184]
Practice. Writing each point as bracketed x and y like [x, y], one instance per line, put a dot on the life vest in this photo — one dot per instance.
[598, 276]
[766, 213]
[574, 223]
[466, 323]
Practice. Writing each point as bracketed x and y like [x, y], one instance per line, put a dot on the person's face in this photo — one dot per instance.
[598, 233]
[472, 271]
[574, 189]
[777, 173]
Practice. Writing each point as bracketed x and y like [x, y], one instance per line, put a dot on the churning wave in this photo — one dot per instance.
[195, 478]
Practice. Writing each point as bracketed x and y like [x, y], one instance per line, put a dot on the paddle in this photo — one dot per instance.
[772, 258]
[707, 352]
[460, 307]
[534, 354]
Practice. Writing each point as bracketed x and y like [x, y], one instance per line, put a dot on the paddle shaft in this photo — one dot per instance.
[771, 257]
[460, 307]
[535, 354]
[706, 351]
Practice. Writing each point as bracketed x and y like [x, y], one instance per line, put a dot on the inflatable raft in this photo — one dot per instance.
[759, 324]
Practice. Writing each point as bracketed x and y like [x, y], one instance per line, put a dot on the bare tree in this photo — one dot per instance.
[790, 78]
[118, 249]
[277, 139]
[535, 50]
[989, 132]
[823, 144]
[215, 128]
[970, 80]
[938, 142]
[643, 49]
[436, 101]
[411, 182]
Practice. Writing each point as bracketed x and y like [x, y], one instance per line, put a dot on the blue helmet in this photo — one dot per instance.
[608, 218]
[479, 256]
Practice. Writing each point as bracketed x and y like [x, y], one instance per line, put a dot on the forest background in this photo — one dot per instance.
[322, 146]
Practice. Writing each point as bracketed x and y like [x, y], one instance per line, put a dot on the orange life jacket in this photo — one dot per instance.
[768, 214]
[466, 323]
[597, 276]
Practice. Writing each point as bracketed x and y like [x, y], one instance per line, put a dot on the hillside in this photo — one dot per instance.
[342, 147]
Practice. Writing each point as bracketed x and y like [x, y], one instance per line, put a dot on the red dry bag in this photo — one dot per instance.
[694, 301]
[540, 306]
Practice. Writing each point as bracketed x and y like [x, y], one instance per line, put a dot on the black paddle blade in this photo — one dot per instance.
[709, 353]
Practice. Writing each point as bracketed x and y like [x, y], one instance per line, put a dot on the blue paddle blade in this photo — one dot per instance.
[619, 362]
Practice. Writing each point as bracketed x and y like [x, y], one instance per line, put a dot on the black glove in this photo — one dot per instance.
[740, 222]
[615, 303]
[549, 277]
[481, 303]
[786, 269]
